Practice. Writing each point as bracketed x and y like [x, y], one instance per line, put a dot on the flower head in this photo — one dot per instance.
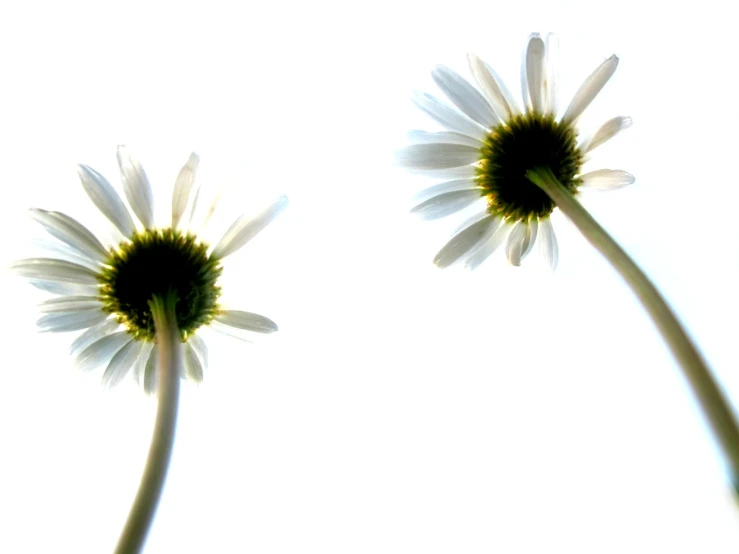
[490, 144]
[107, 290]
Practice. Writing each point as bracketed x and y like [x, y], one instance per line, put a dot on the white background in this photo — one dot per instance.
[400, 408]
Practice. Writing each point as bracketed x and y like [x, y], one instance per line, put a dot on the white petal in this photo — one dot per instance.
[193, 367]
[590, 89]
[479, 216]
[136, 187]
[201, 349]
[448, 117]
[50, 269]
[246, 228]
[514, 244]
[63, 322]
[195, 204]
[182, 189]
[229, 331]
[499, 97]
[532, 232]
[71, 304]
[106, 199]
[606, 179]
[525, 94]
[535, 73]
[466, 240]
[122, 362]
[71, 232]
[60, 251]
[143, 358]
[443, 137]
[55, 287]
[548, 243]
[204, 205]
[487, 248]
[216, 199]
[549, 85]
[247, 321]
[93, 334]
[449, 186]
[436, 156]
[606, 132]
[465, 96]
[102, 350]
[461, 172]
[519, 242]
[446, 204]
[150, 372]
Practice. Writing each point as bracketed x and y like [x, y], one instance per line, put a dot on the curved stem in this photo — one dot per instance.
[169, 363]
[711, 399]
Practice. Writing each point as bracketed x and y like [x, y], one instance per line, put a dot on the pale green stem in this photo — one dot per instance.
[711, 399]
[169, 364]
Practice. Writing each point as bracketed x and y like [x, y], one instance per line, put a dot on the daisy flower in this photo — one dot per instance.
[105, 289]
[524, 163]
[491, 143]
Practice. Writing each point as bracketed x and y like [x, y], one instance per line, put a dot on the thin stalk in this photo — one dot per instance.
[169, 362]
[713, 403]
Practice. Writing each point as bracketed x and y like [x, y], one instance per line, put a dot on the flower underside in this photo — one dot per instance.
[522, 143]
[156, 263]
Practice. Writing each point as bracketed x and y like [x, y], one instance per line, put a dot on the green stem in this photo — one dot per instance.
[169, 361]
[712, 401]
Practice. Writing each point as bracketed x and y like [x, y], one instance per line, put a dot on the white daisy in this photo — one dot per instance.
[489, 146]
[105, 289]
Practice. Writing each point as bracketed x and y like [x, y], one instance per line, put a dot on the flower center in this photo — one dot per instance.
[152, 264]
[522, 143]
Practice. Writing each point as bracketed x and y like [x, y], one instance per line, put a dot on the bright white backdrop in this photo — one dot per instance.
[400, 409]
